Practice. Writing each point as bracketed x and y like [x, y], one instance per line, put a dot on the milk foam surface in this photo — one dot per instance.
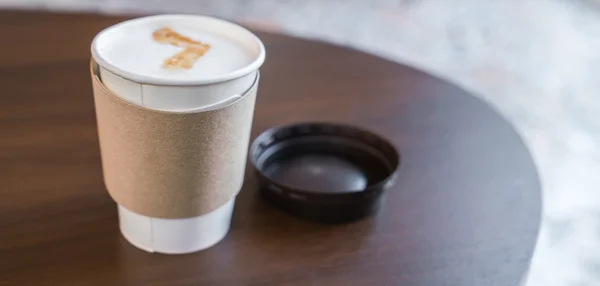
[131, 48]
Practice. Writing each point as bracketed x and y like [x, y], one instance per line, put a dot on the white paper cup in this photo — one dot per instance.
[215, 80]
[176, 236]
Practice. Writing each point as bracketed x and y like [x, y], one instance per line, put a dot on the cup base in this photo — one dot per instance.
[175, 236]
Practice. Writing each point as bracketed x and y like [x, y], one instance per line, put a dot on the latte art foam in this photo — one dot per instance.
[165, 49]
[191, 52]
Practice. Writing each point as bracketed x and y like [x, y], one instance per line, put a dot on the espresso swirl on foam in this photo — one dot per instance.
[185, 59]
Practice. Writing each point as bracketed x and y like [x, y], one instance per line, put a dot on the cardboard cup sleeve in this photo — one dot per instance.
[172, 164]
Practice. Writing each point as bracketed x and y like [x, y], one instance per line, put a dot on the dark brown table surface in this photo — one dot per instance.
[465, 210]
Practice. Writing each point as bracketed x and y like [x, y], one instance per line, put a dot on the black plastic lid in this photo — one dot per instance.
[323, 171]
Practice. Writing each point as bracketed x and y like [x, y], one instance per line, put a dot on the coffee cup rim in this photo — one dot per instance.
[143, 79]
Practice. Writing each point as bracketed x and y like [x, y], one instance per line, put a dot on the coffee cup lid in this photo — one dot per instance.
[324, 171]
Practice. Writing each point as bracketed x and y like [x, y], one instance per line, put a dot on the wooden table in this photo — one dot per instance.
[465, 211]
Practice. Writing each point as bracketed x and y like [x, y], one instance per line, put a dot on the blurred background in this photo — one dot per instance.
[536, 61]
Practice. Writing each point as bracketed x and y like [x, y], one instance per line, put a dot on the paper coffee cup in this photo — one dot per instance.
[135, 87]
